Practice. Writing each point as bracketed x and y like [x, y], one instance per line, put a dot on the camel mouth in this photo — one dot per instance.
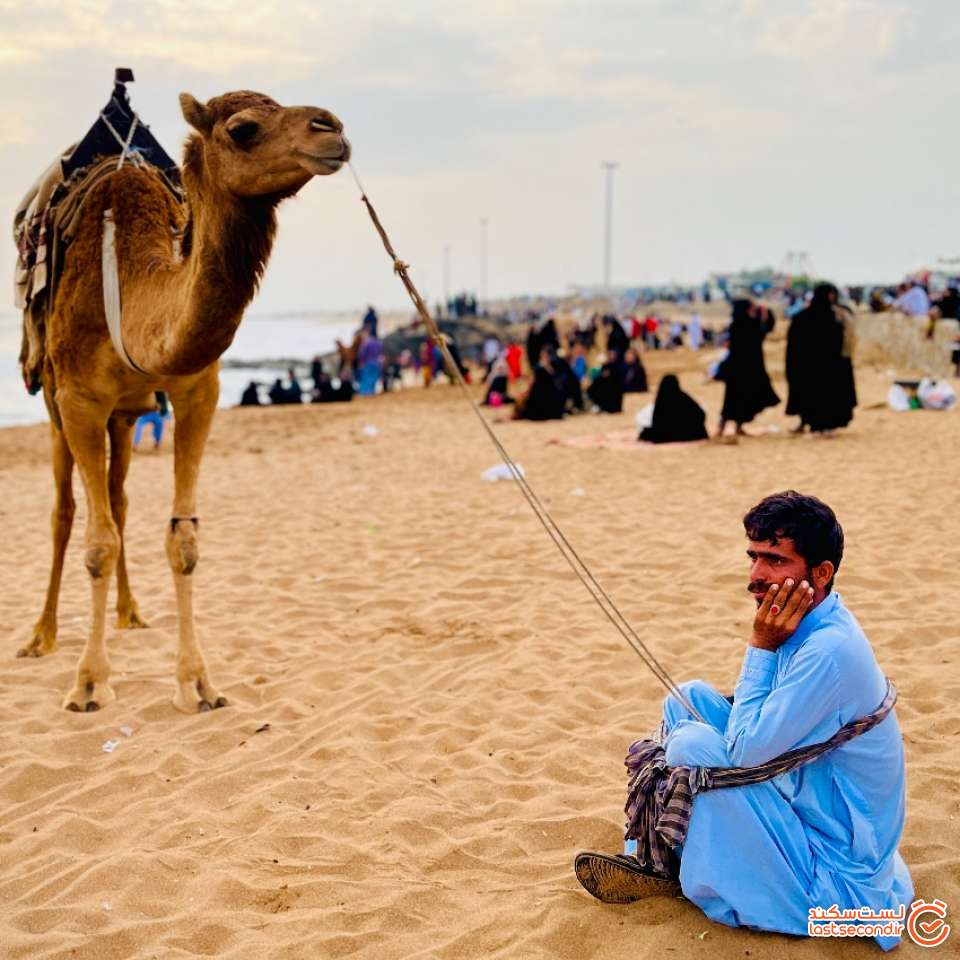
[320, 166]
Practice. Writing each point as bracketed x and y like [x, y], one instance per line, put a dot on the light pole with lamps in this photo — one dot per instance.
[483, 260]
[609, 166]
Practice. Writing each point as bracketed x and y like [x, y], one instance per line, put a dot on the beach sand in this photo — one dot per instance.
[428, 714]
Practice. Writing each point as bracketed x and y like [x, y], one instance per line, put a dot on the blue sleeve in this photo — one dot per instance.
[766, 722]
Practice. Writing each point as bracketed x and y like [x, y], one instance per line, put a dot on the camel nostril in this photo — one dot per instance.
[322, 125]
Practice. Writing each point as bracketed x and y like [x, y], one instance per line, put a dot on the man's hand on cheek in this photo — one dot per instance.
[780, 614]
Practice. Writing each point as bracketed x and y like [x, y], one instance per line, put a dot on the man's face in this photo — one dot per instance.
[773, 561]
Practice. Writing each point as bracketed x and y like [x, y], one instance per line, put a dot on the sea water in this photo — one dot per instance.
[265, 342]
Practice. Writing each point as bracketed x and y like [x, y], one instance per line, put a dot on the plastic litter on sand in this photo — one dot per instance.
[110, 745]
[501, 471]
[370, 430]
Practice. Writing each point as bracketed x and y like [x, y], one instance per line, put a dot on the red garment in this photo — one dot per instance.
[651, 324]
[635, 329]
[514, 360]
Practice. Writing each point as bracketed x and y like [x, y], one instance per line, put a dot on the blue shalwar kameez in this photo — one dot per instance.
[764, 855]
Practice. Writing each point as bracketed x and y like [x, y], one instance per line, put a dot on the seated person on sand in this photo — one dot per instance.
[294, 391]
[545, 400]
[278, 393]
[250, 396]
[677, 417]
[568, 382]
[791, 797]
[498, 384]
[325, 392]
[634, 374]
[606, 391]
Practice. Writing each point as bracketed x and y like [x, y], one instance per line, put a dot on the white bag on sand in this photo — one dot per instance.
[897, 398]
[500, 471]
[644, 417]
[936, 395]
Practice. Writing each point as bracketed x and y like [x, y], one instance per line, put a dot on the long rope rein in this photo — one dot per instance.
[569, 553]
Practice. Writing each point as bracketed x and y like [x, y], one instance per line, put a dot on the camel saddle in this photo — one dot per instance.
[46, 219]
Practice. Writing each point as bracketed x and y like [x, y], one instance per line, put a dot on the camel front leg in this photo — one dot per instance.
[43, 639]
[194, 413]
[85, 427]
[120, 430]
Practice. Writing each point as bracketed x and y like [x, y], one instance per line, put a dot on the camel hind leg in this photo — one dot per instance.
[120, 429]
[43, 639]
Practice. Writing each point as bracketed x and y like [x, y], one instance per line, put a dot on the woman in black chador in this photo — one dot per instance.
[545, 399]
[820, 365]
[677, 417]
[748, 386]
[634, 374]
[607, 390]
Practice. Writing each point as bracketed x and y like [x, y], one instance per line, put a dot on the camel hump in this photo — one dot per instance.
[137, 195]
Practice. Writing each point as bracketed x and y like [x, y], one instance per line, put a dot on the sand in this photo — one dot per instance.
[428, 715]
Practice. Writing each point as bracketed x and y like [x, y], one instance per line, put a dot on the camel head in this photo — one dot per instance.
[250, 146]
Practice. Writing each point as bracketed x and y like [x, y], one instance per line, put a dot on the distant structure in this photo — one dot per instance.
[796, 265]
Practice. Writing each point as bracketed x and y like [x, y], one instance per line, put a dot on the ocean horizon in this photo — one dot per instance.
[263, 345]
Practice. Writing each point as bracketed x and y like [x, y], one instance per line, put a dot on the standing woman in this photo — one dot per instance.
[748, 389]
[369, 363]
[820, 347]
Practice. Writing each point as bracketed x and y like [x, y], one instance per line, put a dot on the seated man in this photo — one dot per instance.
[825, 831]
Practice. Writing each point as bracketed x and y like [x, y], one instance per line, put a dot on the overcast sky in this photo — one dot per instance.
[742, 128]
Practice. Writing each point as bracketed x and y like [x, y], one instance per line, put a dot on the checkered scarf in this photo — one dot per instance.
[660, 798]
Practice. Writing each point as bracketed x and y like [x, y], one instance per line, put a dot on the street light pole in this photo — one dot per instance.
[483, 260]
[609, 166]
[446, 277]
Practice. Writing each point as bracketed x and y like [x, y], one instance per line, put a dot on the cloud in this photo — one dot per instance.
[848, 28]
[743, 127]
[211, 36]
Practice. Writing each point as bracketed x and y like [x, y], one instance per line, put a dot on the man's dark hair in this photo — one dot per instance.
[807, 521]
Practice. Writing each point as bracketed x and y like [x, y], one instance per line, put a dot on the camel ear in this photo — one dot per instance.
[195, 113]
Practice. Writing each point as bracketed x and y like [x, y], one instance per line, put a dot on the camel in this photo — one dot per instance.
[180, 311]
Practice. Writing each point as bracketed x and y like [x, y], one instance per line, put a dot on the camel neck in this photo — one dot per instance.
[227, 245]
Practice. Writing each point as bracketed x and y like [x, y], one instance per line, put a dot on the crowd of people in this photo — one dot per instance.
[553, 375]
[819, 368]
[364, 368]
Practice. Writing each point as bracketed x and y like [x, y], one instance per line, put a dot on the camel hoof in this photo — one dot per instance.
[41, 643]
[206, 705]
[89, 697]
[130, 619]
[197, 696]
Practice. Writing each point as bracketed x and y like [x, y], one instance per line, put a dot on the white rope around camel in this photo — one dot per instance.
[576, 563]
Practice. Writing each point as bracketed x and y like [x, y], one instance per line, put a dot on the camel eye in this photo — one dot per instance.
[243, 133]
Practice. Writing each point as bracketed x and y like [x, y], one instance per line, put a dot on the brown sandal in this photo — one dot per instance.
[614, 878]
